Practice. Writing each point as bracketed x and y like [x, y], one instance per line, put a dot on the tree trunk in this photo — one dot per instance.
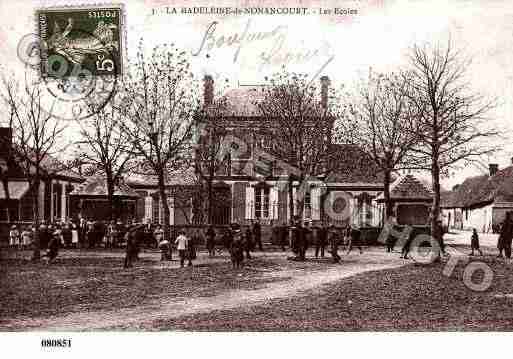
[5, 183]
[165, 207]
[301, 197]
[110, 194]
[210, 195]
[386, 195]
[36, 255]
[435, 209]
[291, 198]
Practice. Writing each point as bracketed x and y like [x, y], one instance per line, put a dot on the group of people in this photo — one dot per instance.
[238, 240]
[81, 233]
[21, 238]
[321, 236]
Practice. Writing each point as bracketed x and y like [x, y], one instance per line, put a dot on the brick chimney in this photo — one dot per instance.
[325, 84]
[493, 167]
[208, 90]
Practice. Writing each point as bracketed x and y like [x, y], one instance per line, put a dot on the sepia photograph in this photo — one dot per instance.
[236, 167]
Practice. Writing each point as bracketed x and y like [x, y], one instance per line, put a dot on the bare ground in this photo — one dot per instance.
[268, 277]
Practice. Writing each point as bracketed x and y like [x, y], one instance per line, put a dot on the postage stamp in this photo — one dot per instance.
[78, 42]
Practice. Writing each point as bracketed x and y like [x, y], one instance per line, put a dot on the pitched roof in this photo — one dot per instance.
[183, 177]
[240, 102]
[482, 189]
[97, 186]
[448, 199]
[353, 166]
[408, 187]
[16, 189]
[50, 165]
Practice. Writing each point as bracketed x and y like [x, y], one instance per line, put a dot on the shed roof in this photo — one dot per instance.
[408, 187]
[96, 186]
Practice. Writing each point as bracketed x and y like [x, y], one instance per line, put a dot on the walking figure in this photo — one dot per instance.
[211, 243]
[182, 246]
[257, 234]
[131, 248]
[354, 239]
[53, 248]
[320, 240]
[474, 243]
[237, 249]
[333, 243]
[248, 242]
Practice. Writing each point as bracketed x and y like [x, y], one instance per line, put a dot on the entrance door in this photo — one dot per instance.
[221, 206]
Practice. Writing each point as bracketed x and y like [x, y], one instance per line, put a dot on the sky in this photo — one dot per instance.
[339, 45]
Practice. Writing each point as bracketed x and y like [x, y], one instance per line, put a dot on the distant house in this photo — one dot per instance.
[252, 192]
[16, 196]
[181, 187]
[244, 189]
[411, 200]
[480, 202]
[89, 200]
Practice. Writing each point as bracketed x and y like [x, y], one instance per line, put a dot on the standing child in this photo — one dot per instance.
[26, 237]
[474, 243]
[181, 245]
[14, 237]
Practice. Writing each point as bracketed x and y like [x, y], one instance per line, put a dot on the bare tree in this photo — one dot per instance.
[157, 114]
[209, 147]
[384, 117]
[105, 148]
[300, 118]
[37, 134]
[452, 119]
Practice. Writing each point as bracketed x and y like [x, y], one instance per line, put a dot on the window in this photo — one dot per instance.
[262, 202]
[156, 210]
[364, 210]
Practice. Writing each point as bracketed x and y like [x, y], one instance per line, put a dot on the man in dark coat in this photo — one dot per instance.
[294, 238]
[301, 244]
[211, 241]
[257, 234]
[334, 240]
[307, 239]
[53, 248]
[131, 247]
[44, 236]
[320, 240]
[248, 242]
[506, 236]
[237, 249]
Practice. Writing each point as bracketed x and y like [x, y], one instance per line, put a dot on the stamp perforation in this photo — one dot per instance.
[122, 51]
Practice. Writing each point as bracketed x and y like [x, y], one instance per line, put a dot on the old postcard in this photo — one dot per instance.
[254, 166]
